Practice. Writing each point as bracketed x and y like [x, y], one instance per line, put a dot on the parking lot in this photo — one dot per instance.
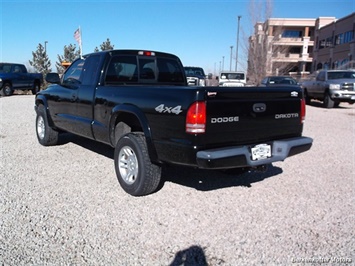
[63, 205]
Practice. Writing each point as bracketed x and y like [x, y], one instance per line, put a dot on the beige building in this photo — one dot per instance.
[298, 47]
[334, 44]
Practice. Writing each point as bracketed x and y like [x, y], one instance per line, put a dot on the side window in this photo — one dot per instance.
[264, 81]
[122, 69]
[17, 69]
[169, 71]
[72, 75]
[90, 70]
[23, 69]
[321, 76]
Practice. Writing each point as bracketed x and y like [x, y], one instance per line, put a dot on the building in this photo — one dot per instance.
[297, 47]
[334, 44]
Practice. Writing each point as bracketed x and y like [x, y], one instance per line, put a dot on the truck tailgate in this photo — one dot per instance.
[251, 115]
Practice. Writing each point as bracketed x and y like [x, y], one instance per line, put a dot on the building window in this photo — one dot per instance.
[329, 42]
[321, 44]
[348, 36]
[291, 34]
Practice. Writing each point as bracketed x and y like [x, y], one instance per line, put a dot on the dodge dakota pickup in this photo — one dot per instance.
[332, 87]
[139, 103]
[15, 77]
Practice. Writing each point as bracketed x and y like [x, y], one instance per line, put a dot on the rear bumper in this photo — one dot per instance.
[240, 156]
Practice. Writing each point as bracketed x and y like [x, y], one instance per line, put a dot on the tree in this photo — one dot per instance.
[70, 54]
[257, 44]
[105, 46]
[41, 62]
[266, 52]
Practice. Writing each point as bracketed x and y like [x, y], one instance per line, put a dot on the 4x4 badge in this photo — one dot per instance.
[294, 94]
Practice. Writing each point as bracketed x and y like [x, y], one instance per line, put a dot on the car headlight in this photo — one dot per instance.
[334, 86]
[202, 82]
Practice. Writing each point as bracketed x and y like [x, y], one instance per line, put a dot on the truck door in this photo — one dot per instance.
[319, 87]
[21, 78]
[85, 96]
[62, 105]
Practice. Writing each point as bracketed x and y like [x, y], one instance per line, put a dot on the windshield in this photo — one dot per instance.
[194, 71]
[341, 75]
[5, 68]
[232, 76]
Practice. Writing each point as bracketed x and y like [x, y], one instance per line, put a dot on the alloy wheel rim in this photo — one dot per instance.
[128, 165]
[40, 127]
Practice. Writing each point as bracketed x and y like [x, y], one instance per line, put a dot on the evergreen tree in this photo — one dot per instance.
[105, 46]
[69, 56]
[41, 62]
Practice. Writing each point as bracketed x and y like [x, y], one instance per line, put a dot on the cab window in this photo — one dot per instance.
[72, 75]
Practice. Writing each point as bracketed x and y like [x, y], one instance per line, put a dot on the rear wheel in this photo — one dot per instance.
[36, 88]
[137, 175]
[45, 134]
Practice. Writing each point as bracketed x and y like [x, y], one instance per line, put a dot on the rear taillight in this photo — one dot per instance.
[303, 110]
[196, 118]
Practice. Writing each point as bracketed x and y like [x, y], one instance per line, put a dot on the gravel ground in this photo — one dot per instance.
[63, 205]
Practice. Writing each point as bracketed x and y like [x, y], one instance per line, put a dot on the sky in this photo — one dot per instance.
[199, 32]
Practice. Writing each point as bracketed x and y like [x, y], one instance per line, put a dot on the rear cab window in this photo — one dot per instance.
[141, 69]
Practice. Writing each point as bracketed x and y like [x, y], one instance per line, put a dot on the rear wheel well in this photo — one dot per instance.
[125, 123]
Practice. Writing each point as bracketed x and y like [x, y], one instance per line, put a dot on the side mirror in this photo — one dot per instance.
[53, 78]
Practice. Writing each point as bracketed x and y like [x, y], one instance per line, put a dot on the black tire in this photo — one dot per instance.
[328, 102]
[45, 134]
[7, 90]
[137, 175]
[36, 88]
[306, 97]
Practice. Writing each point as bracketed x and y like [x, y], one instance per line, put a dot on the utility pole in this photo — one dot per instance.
[222, 63]
[45, 47]
[230, 67]
[236, 56]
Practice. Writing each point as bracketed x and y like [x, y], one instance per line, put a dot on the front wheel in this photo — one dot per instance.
[328, 102]
[45, 134]
[7, 90]
[137, 175]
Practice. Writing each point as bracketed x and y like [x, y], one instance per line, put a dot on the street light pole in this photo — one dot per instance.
[222, 63]
[236, 56]
[45, 47]
[230, 67]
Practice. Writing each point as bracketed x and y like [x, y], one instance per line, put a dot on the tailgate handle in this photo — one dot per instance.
[259, 107]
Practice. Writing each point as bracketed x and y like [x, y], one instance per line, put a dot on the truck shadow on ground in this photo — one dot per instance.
[199, 179]
[206, 180]
[318, 104]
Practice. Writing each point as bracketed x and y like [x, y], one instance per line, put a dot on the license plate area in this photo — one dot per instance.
[260, 152]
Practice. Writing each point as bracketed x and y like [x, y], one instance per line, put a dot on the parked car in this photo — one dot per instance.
[332, 87]
[278, 80]
[15, 77]
[139, 102]
[195, 76]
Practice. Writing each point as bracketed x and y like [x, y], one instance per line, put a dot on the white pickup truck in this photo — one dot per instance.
[232, 79]
[332, 87]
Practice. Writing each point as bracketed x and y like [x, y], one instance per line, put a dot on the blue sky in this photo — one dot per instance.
[199, 32]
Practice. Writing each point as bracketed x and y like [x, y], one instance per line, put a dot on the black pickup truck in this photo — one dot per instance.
[139, 103]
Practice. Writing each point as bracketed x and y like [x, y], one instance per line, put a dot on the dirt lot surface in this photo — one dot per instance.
[63, 205]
